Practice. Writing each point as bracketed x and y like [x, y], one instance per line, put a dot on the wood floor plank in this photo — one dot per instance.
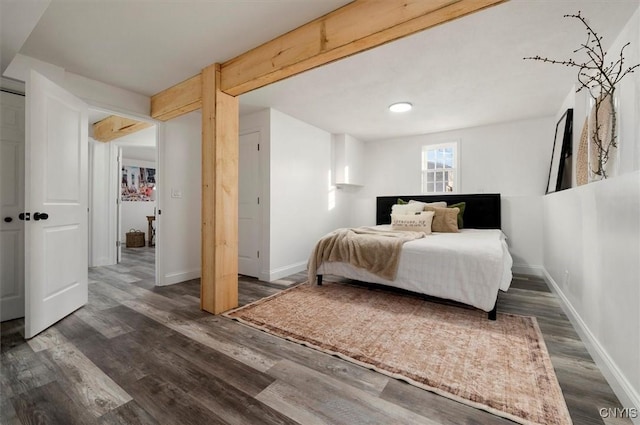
[170, 405]
[110, 292]
[24, 370]
[171, 363]
[75, 329]
[446, 411]
[48, 338]
[214, 363]
[116, 360]
[109, 326]
[13, 337]
[8, 415]
[139, 321]
[50, 404]
[90, 387]
[357, 376]
[331, 400]
[285, 399]
[148, 296]
[128, 414]
[231, 404]
[100, 301]
[200, 333]
[190, 287]
[532, 283]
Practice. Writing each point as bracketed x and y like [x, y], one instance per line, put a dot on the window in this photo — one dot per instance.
[440, 168]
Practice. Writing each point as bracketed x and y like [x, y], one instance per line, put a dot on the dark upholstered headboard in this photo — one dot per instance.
[482, 211]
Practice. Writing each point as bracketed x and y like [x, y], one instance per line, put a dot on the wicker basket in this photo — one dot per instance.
[135, 238]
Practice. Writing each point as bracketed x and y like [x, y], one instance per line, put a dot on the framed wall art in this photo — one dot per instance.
[560, 168]
[137, 183]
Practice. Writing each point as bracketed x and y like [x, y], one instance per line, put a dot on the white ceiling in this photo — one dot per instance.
[147, 46]
[466, 73]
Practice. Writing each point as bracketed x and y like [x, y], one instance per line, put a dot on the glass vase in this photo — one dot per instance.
[603, 137]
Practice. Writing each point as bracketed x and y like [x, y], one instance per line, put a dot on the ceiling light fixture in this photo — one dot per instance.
[400, 107]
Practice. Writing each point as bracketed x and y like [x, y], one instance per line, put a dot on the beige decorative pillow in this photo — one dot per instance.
[403, 209]
[420, 222]
[445, 220]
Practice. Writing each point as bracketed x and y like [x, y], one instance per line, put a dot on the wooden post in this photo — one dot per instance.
[339, 34]
[219, 279]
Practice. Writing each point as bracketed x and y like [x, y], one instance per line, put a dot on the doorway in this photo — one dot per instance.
[123, 200]
[78, 174]
[249, 208]
[12, 131]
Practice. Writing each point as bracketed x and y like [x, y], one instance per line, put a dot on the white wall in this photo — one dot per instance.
[592, 257]
[299, 203]
[133, 215]
[348, 153]
[102, 229]
[179, 169]
[303, 203]
[180, 174]
[592, 245]
[511, 159]
[93, 92]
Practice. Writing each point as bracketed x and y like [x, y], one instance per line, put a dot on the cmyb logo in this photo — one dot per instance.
[619, 412]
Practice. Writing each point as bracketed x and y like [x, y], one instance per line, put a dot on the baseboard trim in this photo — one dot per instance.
[525, 269]
[619, 383]
[173, 278]
[285, 271]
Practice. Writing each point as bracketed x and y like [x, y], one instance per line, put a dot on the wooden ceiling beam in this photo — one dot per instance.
[177, 100]
[114, 127]
[353, 28]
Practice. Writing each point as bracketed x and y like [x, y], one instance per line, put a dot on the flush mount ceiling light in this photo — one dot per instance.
[400, 107]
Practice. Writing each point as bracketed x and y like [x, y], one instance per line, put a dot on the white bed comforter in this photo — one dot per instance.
[469, 267]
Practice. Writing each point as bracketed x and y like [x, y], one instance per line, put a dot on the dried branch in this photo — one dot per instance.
[600, 80]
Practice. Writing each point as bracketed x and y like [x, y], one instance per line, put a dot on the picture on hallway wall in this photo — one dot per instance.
[138, 183]
[560, 169]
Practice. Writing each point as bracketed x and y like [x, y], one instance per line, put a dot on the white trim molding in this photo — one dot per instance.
[285, 271]
[619, 384]
[179, 277]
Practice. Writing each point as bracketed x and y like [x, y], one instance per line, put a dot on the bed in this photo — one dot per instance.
[469, 267]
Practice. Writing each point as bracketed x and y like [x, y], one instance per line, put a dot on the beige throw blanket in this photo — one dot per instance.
[377, 251]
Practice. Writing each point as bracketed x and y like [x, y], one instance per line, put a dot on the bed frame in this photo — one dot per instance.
[482, 211]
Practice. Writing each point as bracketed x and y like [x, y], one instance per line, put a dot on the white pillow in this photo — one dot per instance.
[439, 204]
[413, 222]
[406, 209]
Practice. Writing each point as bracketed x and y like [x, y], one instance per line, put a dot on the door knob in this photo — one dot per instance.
[40, 216]
[24, 216]
[8, 219]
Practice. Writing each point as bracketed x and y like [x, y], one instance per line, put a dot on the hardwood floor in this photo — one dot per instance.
[140, 354]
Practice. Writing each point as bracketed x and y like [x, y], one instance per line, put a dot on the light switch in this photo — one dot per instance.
[176, 193]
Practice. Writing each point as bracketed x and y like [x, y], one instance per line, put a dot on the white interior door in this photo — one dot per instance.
[11, 205]
[56, 235]
[119, 242]
[249, 205]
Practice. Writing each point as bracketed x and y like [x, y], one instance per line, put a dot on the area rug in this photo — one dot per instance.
[499, 366]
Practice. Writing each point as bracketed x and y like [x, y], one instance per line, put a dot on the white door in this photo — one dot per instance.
[249, 205]
[11, 205]
[56, 199]
[119, 207]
